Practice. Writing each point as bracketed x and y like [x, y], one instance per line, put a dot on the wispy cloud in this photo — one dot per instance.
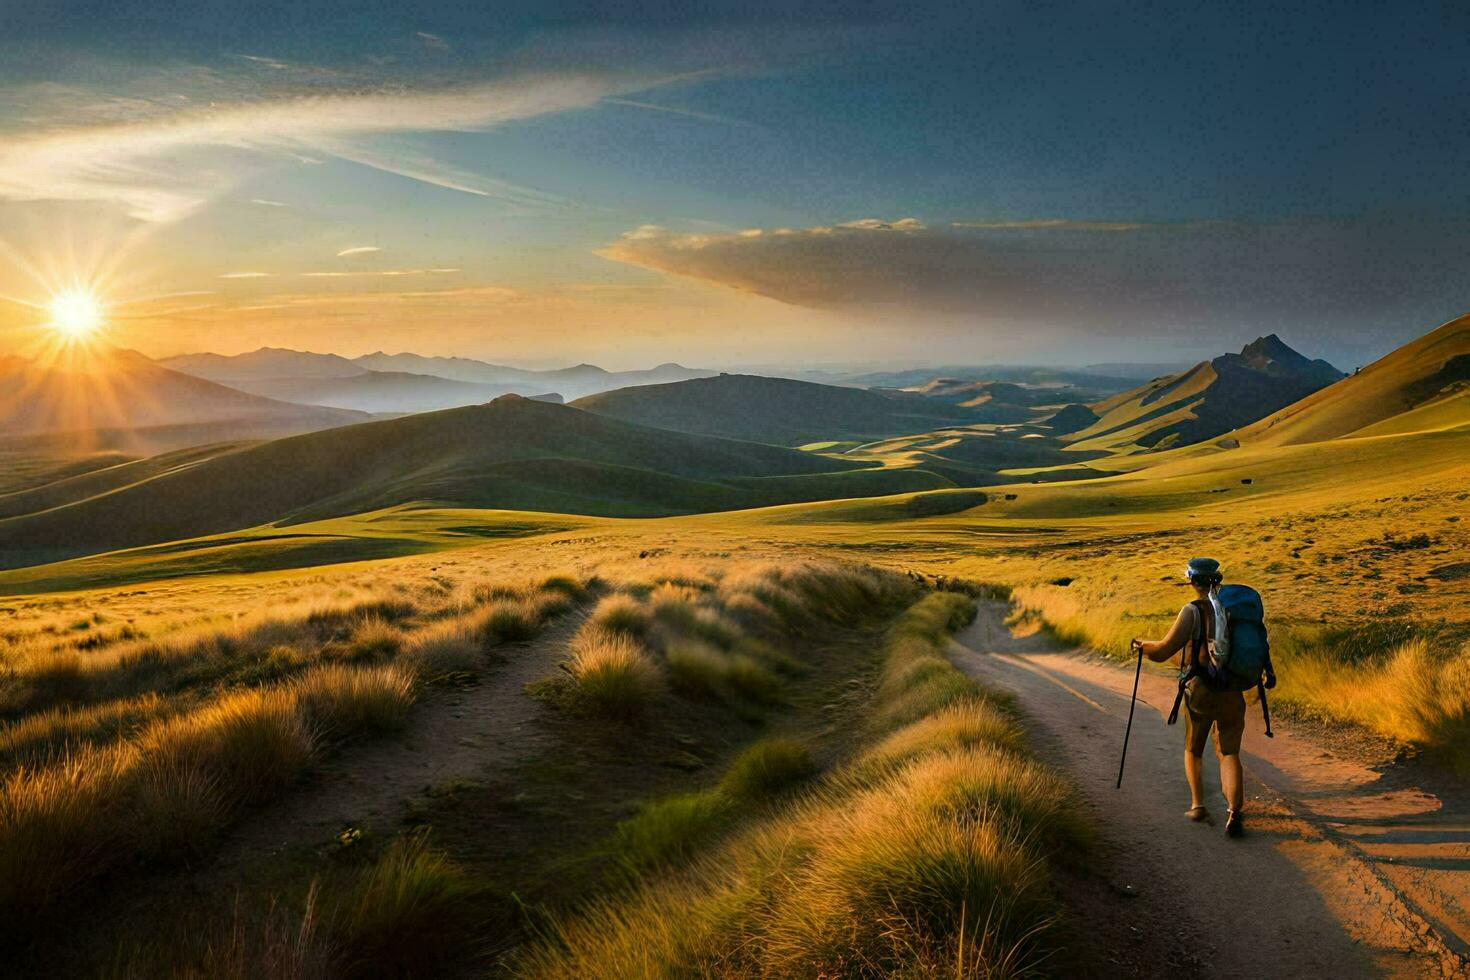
[383, 272]
[268, 204]
[431, 40]
[1051, 224]
[246, 275]
[172, 158]
[358, 250]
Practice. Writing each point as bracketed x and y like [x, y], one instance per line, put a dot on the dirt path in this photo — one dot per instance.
[1346, 871]
[473, 733]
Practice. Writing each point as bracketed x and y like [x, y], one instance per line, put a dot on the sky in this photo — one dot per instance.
[546, 183]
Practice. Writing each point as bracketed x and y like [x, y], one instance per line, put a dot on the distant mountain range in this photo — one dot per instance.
[403, 383]
[106, 388]
[1209, 400]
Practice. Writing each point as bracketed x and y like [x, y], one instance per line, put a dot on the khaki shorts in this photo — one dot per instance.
[1206, 708]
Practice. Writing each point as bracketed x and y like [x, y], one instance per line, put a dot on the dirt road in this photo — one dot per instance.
[1347, 870]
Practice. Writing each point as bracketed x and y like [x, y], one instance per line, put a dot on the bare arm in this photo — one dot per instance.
[1179, 635]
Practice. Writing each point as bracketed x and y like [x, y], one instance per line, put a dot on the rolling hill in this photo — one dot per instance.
[84, 390]
[513, 453]
[778, 411]
[1212, 398]
[1422, 386]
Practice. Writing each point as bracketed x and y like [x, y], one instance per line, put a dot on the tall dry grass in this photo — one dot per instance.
[717, 632]
[147, 748]
[924, 857]
[166, 790]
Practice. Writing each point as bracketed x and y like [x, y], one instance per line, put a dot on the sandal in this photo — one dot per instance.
[1197, 813]
[1234, 825]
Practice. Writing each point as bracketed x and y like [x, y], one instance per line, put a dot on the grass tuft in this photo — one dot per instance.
[612, 672]
[767, 768]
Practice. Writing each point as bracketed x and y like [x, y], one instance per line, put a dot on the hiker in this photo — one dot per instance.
[1206, 706]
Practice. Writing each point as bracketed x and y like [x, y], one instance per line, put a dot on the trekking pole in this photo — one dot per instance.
[1138, 671]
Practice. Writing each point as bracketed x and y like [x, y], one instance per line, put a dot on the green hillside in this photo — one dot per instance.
[1208, 400]
[513, 453]
[1422, 385]
[778, 411]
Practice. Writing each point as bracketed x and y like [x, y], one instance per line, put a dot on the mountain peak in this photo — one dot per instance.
[1271, 347]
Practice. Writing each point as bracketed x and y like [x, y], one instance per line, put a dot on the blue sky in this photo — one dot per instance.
[560, 182]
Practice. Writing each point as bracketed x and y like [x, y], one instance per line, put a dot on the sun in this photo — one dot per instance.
[77, 314]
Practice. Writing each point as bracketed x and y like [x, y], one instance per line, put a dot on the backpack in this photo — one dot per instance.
[1239, 652]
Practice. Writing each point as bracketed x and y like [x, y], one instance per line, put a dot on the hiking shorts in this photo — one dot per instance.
[1206, 708]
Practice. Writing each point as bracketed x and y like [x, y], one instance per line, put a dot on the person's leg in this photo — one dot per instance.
[1194, 764]
[1232, 780]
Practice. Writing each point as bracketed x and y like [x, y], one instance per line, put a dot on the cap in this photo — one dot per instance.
[1207, 569]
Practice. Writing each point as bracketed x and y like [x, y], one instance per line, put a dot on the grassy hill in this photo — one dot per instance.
[1208, 400]
[513, 453]
[778, 411]
[1422, 385]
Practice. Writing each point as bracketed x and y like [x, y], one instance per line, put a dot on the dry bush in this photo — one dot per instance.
[769, 767]
[406, 911]
[374, 639]
[340, 701]
[621, 614]
[612, 672]
[447, 647]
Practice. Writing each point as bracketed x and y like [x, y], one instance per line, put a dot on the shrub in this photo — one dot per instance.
[621, 614]
[509, 622]
[696, 667]
[612, 673]
[375, 639]
[766, 768]
[749, 679]
[446, 647]
[411, 908]
[341, 701]
[669, 831]
[568, 585]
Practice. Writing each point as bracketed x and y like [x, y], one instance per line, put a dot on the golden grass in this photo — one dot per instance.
[1414, 694]
[613, 674]
[770, 766]
[406, 911]
[166, 788]
[928, 864]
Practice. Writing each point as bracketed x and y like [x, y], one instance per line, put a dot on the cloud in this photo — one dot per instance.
[1119, 277]
[164, 159]
[384, 272]
[1050, 224]
[358, 250]
[246, 275]
[268, 204]
[431, 40]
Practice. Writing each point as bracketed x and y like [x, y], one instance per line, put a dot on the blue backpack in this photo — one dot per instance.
[1238, 658]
